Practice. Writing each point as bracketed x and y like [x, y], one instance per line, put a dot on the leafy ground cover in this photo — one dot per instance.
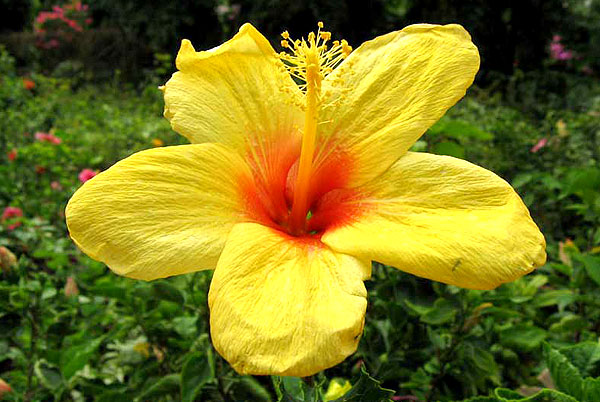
[72, 330]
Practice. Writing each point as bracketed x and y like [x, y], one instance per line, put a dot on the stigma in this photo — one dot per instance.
[309, 60]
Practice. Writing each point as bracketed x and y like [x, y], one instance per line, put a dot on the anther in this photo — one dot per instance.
[312, 58]
[325, 35]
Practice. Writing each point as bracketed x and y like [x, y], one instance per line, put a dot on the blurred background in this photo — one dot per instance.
[78, 92]
[133, 35]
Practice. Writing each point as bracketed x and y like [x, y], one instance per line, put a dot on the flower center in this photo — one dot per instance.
[270, 192]
[309, 61]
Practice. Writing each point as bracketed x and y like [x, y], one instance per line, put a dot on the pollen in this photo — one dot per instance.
[315, 54]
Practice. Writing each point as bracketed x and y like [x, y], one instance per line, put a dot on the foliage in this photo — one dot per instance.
[70, 329]
[510, 35]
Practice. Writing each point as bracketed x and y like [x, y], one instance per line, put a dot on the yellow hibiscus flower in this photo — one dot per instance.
[290, 191]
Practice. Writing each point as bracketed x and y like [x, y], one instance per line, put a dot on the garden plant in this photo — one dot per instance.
[313, 219]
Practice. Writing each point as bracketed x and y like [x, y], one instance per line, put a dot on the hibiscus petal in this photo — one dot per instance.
[444, 219]
[160, 212]
[283, 305]
[236, 94]
[390, 90]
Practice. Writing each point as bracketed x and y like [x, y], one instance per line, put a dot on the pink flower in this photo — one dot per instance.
[52, 43]
[55, 185]
[73, 25]
[558, 51]
[47, 137]
[40, 136]
[565, 55]
[86, 174]
[12, 214]
[539, 145]
[12, 155]
[53, 139]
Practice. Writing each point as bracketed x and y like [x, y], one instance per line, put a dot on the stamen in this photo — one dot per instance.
[309, 61]
[315, 47]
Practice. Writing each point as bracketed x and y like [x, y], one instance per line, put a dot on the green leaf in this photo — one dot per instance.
[569, 323]
[524, 337]
[76, 357]
[168, 385]
[585, 356]
[249, 389]
[459, 129]
[521, 179]
[113, 396]
[49, 293]
[198, 370]
[419, 146]
[103, 287]
[293, 389]
[384, 327]
[580, 181]
[367, 389]
[442, 312]
[48, 375]
[416, 308]
[480, 362]
[166, 291]
[450, 149]
[568, 379]
[545, 395]
[564, 374]
[560, 297]
[185, 326]
[535, 282]
[507, 394]
[592, 266]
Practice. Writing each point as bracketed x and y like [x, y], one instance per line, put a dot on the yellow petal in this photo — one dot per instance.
[238, 94]
[444, 219]
[390, 90]
[285, 306]
[160, 212]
